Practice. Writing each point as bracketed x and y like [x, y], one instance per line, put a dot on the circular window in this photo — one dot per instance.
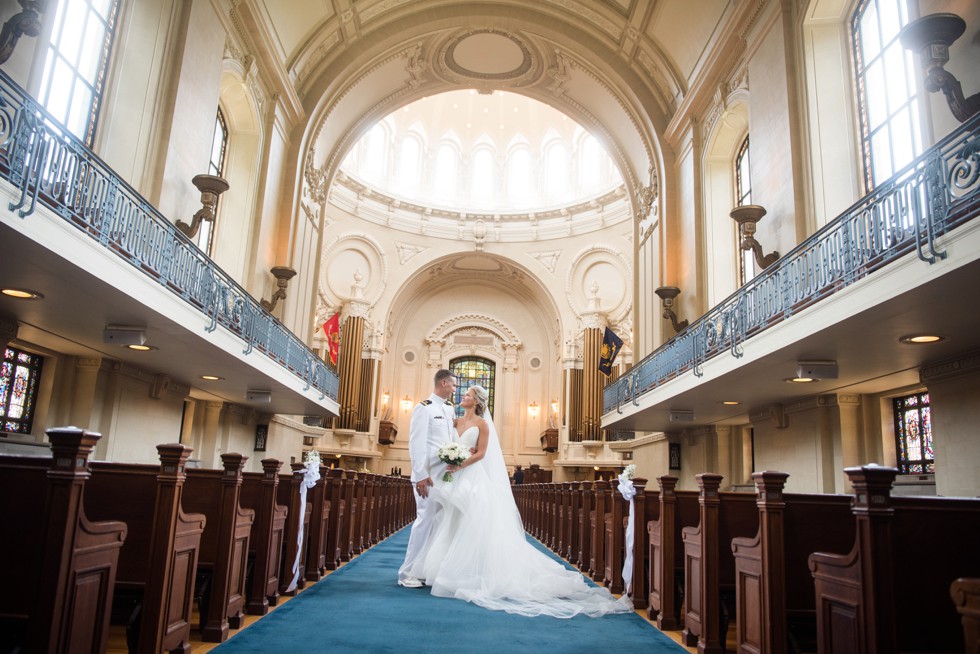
[408, 356]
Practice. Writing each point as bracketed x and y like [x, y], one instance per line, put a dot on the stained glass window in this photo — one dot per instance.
[913, 432]
[470, 371]
[887, 95]
[19, 375]
[76, 62]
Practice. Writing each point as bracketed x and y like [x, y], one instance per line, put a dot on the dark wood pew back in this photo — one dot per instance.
[258, 493]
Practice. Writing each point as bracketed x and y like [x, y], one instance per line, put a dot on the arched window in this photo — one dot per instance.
[216, 167]
[743, 195]
[75, 63]
[483, 177]
[446, 174]
[372, 163]
[556, 172]
[889, 105]
[520, 178]
[19, 375]
[409, 171]
[913, 434]
[590, 157]
[471, 371]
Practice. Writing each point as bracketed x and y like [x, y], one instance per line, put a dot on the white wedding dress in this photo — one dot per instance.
[478, 551]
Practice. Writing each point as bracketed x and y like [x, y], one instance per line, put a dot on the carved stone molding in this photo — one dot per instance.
[968, 364]
[776, 413]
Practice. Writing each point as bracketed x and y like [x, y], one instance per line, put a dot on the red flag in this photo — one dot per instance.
[332, 329]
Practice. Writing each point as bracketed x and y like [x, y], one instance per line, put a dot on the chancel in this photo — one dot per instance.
[239, 237]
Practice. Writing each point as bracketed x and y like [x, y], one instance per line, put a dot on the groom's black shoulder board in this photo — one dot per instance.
[425, 402]
[448, 403]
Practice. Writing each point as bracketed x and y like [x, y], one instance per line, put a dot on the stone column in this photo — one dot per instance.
[852, 451]
[83, 391]
[208, 454]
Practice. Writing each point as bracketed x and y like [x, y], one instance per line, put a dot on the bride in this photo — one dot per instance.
[478, 552]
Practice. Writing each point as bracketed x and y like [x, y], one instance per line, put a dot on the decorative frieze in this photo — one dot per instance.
[969, 364]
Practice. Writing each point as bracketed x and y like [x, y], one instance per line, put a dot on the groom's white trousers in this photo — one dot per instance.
[425, 510]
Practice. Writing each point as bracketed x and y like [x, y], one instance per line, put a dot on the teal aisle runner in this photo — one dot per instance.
[360, 608]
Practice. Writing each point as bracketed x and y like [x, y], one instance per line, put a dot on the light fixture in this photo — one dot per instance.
[931, 37]
[22, 294]
[682, 415]
[255, 395]
[730, 402]
[747, 215]
[26, 23]
[811, 369]
[800, 380]
[406, 403]
[554, 407]
[533, 409]
[141, 347]
[921, 339]
[124, 334]
[282, 274]
[667, 295]
[211, 378]
[210, 187]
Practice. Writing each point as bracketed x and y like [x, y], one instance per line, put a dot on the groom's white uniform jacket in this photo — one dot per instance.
[431, 427]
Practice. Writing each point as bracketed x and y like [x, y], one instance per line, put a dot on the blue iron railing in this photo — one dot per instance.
[935, 193]
[52, 167]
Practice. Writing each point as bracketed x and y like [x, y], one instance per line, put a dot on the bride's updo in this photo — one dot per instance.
[482, 397]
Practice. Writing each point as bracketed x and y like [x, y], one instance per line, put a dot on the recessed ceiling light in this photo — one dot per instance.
[801, 380]
[141, 348]
[730, 402]
[22, 294]
[919, 339]
[211, 377]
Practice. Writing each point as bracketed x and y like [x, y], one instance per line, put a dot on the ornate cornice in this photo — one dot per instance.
[968, 364]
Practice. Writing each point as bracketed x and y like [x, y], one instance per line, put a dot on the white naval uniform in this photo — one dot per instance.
[430, 428]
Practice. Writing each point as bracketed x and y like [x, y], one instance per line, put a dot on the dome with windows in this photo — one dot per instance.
[519, 165]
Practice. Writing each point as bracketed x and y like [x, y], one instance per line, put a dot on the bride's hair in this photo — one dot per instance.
[482, 397]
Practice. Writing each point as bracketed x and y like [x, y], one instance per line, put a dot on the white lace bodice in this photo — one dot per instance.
[469, 436]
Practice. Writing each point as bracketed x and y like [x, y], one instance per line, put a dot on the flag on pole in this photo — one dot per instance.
[611, 345]
[332, 329]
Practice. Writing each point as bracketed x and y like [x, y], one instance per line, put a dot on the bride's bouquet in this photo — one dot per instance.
[453, 454]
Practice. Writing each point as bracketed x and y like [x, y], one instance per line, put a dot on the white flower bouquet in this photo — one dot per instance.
[453, 454]
[629, 471]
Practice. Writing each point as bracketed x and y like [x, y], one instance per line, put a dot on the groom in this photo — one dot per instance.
[430, 428]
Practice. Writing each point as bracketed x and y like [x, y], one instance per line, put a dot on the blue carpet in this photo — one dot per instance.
[360, 608]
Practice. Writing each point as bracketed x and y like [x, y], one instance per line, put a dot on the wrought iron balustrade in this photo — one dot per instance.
[50, 166]
[937, 192]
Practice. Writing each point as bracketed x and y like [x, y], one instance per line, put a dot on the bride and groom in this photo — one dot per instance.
[468, 541]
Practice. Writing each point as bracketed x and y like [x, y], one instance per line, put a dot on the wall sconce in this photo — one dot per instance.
[385, 405]
[554, 407]
[747, 216]
[533, 409]
[385, 398]
[931, 37]
[282, 274]
[667, 294]
[210, 187]
[406, 403]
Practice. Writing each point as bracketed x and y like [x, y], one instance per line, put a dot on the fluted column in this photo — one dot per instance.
[592, 382]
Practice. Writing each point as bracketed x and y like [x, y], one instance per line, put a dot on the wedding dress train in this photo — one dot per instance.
[478, 551]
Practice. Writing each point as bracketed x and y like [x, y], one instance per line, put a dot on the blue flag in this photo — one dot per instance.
[611, 345]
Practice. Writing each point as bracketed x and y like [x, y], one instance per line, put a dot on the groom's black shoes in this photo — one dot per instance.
[410, 582]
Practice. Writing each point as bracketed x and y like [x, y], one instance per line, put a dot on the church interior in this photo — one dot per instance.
[259, 228]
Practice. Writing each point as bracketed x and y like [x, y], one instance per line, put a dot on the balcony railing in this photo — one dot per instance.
[54, 168]
[934, 194]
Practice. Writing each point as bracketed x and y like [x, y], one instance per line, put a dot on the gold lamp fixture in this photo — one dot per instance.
[533, 409]
[210, 186]
[282, 274]
[747, 215]
[667, 294]
[931, 37]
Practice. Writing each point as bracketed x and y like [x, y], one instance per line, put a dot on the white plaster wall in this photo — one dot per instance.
[955, 405]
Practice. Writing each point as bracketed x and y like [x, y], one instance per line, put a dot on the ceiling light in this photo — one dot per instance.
[919, 339]
[801, 380]
[139, 347]
[730, 402]
[211, 378]
[22, 294]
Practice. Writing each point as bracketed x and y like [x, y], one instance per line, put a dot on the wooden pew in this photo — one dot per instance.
[709, 566]
[336, 519]
[316, 563]
[298, 513]
[677, 510]
[59, 566]
[597, 530]
[861, 604]
[773, 587]
[223, 555]
[572, 548]
[158, 561]
[613, 532]
[258, 492]
[586, 507]
[348, 529]
[639, 589]
[966, 598]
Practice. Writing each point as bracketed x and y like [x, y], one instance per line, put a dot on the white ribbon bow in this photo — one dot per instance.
[310, 476]
[628, 491]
